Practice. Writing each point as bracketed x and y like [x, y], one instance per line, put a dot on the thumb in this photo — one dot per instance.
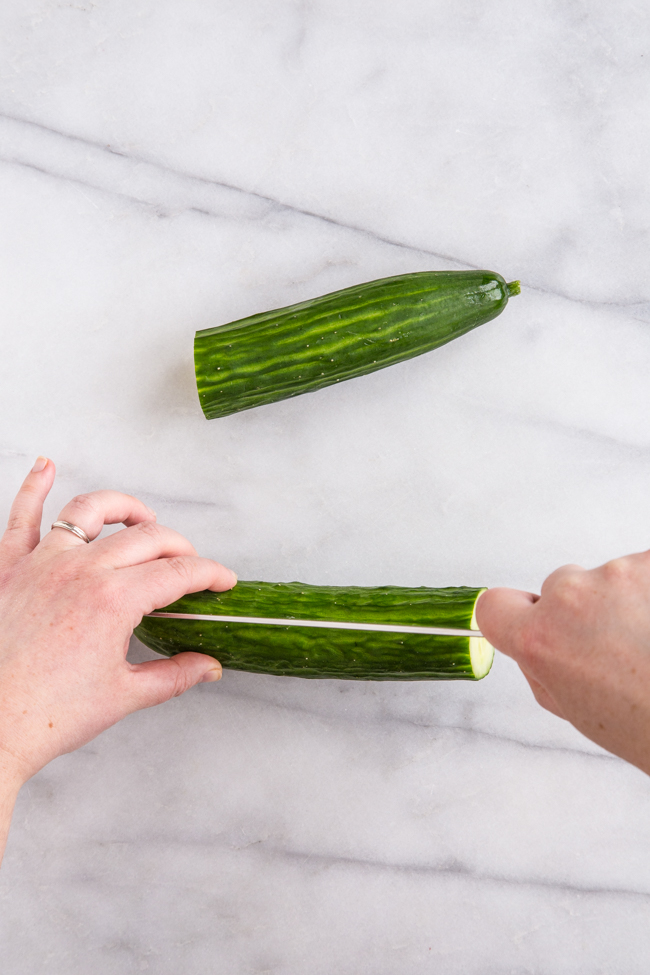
[501, 615]
[157, 681]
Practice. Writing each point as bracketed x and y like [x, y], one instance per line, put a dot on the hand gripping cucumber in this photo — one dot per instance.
[351, 633]
[299, 349]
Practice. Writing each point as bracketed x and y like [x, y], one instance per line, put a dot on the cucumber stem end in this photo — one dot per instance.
[514, 288]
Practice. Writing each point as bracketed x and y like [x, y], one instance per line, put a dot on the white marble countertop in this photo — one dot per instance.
[172, 165]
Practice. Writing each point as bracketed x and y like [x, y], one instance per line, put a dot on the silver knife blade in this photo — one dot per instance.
[323, 624]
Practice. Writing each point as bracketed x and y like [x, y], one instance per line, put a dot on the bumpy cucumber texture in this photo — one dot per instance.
[293, 650]
[302, 348]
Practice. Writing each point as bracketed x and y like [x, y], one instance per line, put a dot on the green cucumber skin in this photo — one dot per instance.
[302, 348]
[309, 652]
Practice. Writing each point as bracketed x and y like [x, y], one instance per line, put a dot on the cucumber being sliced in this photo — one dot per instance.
[280, 645]
[302, 348]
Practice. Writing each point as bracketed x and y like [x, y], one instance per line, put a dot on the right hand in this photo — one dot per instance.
[584, 647]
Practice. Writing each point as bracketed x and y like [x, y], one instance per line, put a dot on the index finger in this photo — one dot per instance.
[94, 510]
[151, 585]
[501, 615]
[24, 526]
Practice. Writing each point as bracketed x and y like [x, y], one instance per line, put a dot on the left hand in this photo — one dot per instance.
[67, 611]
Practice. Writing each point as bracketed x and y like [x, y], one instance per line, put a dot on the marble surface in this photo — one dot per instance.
[167, 166]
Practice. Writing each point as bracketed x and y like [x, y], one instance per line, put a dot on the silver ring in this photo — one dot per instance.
[75, 529]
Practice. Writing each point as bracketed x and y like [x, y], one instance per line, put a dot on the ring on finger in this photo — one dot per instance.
[75, 529]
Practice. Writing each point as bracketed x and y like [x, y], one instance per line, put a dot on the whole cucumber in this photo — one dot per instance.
[301, 651]
[302, 348]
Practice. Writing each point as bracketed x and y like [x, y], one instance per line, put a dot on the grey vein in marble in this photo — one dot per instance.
[219, 208]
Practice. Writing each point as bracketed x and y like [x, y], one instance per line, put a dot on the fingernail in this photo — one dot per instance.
[40, 465]
[211, 675]
[234, 577]
[152, 513]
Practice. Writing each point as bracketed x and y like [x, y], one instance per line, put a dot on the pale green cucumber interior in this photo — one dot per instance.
[481, 653]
